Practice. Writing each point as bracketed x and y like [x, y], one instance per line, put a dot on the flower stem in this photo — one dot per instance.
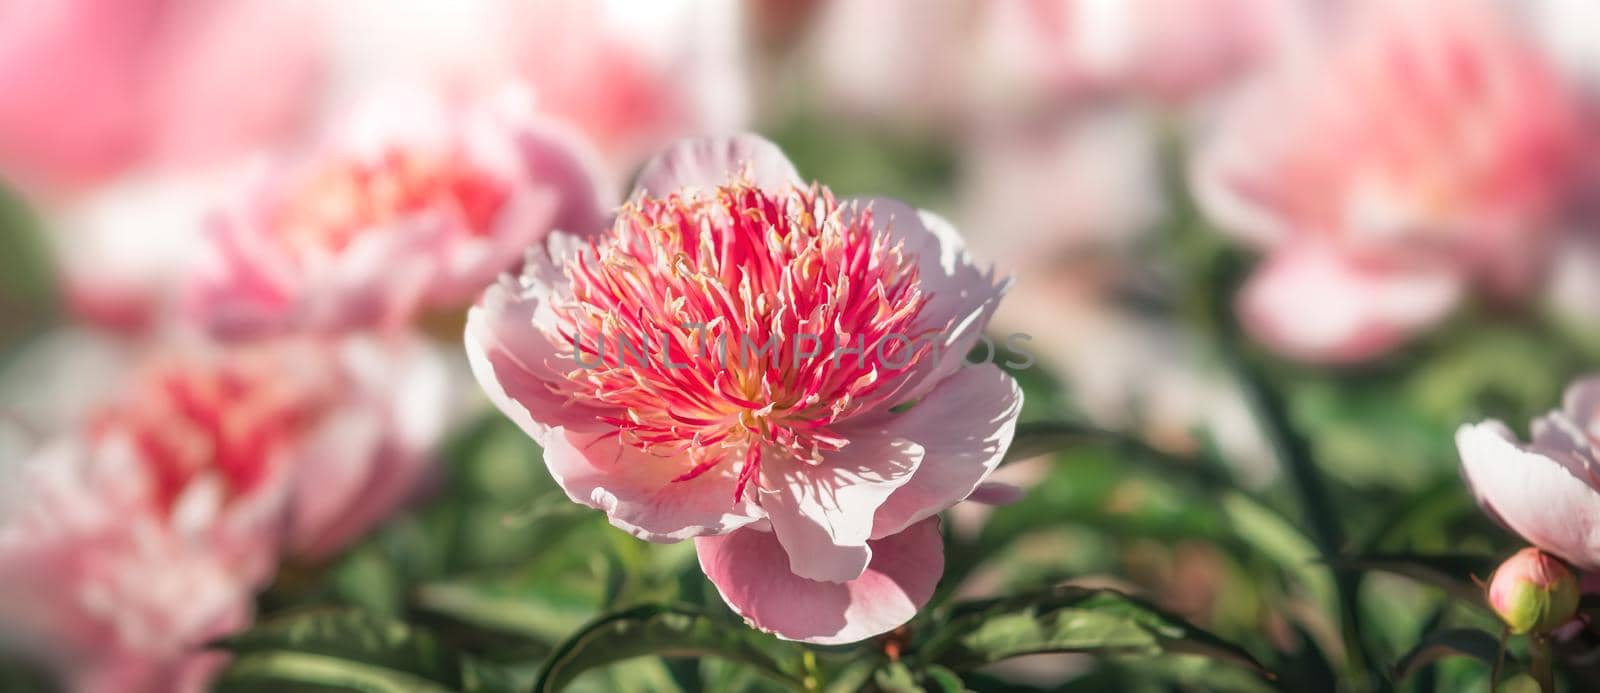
[1539, 656]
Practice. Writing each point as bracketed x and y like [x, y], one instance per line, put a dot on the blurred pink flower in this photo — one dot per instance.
[125, 549]
[803, 458]
[414, 204]
[1546, 490]
[1425, 148]
[1168, 49]
[632, 77]
[93, 88]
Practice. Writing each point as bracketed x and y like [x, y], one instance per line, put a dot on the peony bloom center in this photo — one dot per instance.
[737, 322]
[343, 199]
[228, 422]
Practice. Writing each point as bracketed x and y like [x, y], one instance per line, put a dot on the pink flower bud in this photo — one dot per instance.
[1533, 591]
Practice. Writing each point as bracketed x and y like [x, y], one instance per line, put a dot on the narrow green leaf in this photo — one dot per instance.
[942, 680]
[665, 631]
[896, 677]
[272, 671]
[543, 607]
[353, 636]
[1070, 619]
[854, 675]
[1465, 642]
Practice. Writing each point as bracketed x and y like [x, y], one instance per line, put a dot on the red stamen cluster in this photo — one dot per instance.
[186, 421]
[670, 308]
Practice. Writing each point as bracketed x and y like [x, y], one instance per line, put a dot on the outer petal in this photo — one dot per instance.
[747, 567]
[513, 358]
[711, 161]
[1538, 497]
[965, 425]
[1312, 304]
[822, 513]
[637, 492]
[961, 296]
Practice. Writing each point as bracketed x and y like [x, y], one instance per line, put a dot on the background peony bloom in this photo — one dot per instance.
[93, 88]
[358, 419]
[414, 204]
[1381, 211]
[1545, 490]
[809, 491]
[112, 590]
[126, 547]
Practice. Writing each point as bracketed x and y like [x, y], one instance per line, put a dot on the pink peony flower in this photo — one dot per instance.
[93, 88]
[413, 205]
[126, 548]
[1422, 150]
[808, 484]
[1546, 490]
[367, 413]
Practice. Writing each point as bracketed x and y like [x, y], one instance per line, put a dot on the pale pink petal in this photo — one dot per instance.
[748, 568]
[373, 452]
[556, 185]
[1312, 304]
[567, 165]
[961, 296]
[337, 465]
[964, 426]
[513, 359]
[637, 490]
[822, 513]
[706, 162]
[1537, 497]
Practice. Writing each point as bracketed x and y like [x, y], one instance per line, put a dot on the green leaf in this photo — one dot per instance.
[942, 680]
[1454, 573]
[544, 607]
[273, 671]
[1070, 619]
[374, 646]
[1455, 642]
[665, 631]
[854, 675]
[27, 281]
[24, 676]
[896, 677]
